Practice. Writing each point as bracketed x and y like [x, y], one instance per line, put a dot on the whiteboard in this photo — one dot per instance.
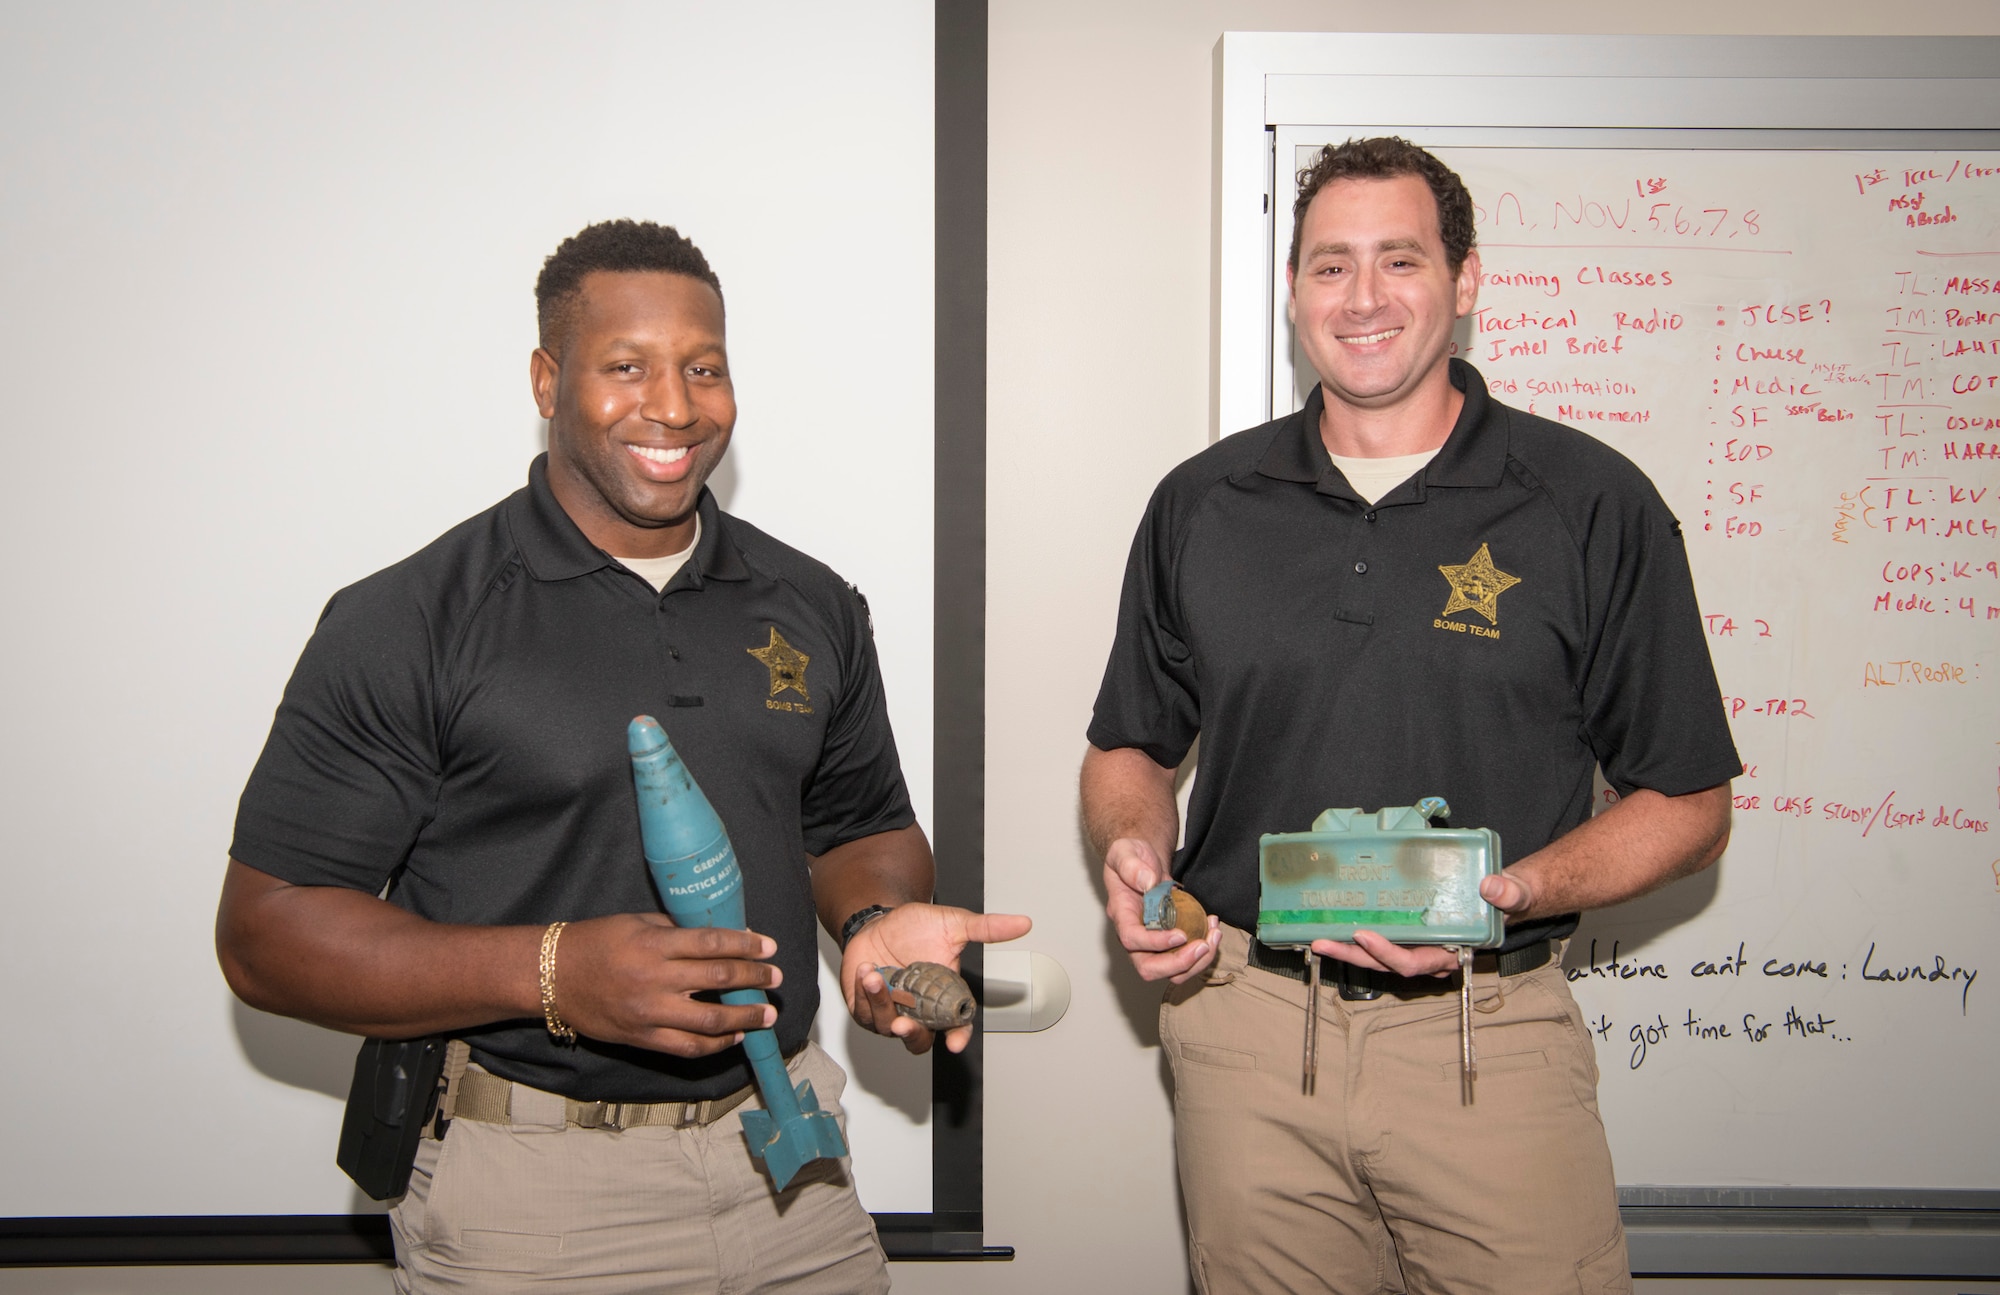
[1802, 348]
[268, 281]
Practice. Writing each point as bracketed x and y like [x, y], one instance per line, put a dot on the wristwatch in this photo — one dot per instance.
[858, 919]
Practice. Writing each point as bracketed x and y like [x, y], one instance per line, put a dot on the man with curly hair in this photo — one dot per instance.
[1404, 590]
[441, 836]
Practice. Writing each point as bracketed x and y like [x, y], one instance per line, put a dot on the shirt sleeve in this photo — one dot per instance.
[350, 773]
[858, 788]
[1150, 698]
[1652, 709]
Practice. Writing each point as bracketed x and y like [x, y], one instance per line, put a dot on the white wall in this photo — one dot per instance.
[266, 307]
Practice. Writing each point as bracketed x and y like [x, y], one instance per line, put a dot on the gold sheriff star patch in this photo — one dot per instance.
[786, 663]
[1476, 586]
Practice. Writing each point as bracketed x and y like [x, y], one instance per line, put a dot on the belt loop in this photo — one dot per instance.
[693, 1114]
[1357, 984]
[457, 1055]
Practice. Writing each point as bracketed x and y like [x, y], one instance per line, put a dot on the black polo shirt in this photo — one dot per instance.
[457, 723]
[1517, 612]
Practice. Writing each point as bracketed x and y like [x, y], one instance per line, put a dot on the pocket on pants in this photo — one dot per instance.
[1504, 1063]
[483, 1211]
[495, 1242]
[1177, 1012]
[411, 1214]
[1198, 1267]
[1577, 1059]
[1606, 1270]
[1201, 1054]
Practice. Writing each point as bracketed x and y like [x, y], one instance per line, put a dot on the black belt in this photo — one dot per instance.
[1360, 984]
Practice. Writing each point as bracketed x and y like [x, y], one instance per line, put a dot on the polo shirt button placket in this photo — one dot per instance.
[663, 618]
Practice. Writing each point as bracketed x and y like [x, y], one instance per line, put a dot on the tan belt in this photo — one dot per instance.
[489, 1099]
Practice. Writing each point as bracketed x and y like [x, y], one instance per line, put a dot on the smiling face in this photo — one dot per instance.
[1373, 297]
[640, 409]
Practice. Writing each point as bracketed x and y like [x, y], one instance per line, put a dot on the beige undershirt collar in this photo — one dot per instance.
[1374, 478]
[657, 571]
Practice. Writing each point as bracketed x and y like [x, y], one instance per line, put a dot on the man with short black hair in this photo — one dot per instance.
[455, 733]
[1404, 590]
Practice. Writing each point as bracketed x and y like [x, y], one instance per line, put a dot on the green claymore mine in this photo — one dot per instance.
[1388, 872]
[1391, 873]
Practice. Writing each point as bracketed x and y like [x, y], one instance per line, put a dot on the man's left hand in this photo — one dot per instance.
[914, 933]
[1508, 892]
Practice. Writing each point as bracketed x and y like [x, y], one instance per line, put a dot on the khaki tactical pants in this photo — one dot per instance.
[495, 1207]
[1382, 1182]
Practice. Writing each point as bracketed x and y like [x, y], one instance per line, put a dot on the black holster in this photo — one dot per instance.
[397, 1083]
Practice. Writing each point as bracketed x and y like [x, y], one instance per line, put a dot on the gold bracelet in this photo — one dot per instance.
[550, 1016]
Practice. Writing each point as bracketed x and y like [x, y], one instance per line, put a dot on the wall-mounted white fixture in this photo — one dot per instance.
[1024, 991]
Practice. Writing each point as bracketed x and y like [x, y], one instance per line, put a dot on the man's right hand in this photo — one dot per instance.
[1131, 868]
[631, 978]
[349, 961]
